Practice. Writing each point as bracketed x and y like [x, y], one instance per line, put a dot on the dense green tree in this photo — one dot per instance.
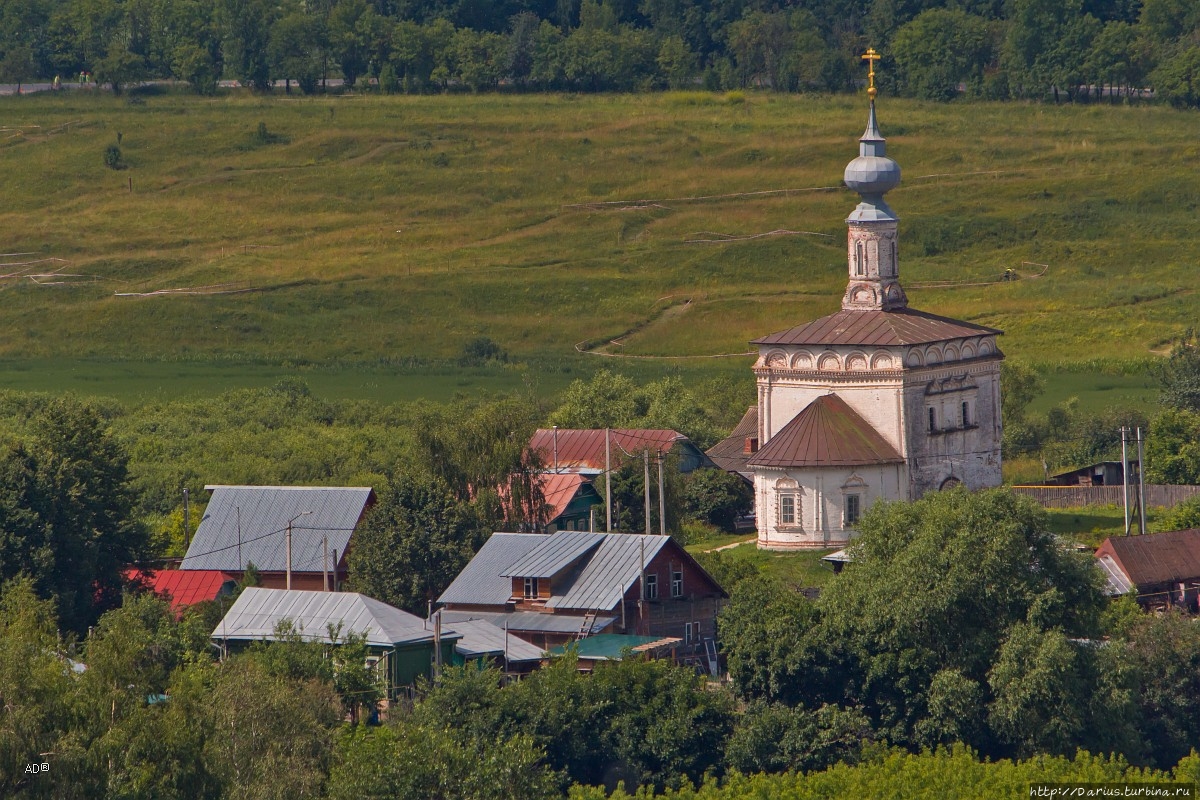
[1172, 448]
[248, 32]
[941, 48]
[1182, 516]
[716, 497]
[771, 737]
[296, 49]
[1180, 375]
[413, 543]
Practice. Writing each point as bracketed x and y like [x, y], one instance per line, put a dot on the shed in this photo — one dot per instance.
[1163, 568]
[402, 642]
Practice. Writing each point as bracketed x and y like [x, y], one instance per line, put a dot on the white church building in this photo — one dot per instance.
[877, 401]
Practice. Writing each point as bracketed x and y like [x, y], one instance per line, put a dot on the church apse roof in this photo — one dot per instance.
[902, 326]
[827, 433]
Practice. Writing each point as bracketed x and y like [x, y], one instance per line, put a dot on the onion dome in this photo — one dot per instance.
[872, 174]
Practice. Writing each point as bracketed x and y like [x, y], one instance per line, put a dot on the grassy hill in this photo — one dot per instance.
[375, 236]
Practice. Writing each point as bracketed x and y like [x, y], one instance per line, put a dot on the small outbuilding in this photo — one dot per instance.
[1163, 569]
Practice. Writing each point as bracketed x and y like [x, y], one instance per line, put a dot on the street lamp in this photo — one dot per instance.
[289, 545]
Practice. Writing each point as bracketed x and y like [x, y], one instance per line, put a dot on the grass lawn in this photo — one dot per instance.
[368, 238]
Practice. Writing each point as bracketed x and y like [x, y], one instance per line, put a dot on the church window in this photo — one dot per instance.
[787, 509]
[858, 259]
[966, 411]
[853, 510]
[932, 422]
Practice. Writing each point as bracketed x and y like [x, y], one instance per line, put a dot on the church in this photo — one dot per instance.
[878, 401]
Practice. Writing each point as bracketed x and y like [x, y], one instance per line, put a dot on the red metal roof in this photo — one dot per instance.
[730, 453]
[584, 449]
[559, 490]
[1157, 557]
[184, 587]
[902, 326]
[827, 433]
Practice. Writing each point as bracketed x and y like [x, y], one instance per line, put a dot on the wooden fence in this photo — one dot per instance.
[1157, 495]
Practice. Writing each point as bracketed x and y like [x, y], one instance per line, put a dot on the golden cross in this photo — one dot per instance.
[871, 57]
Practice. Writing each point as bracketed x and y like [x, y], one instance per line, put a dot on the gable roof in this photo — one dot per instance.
[730, 453]
[184, 587]
[244, 524]
[257, 611]
[481, 581]
[582, 450]
[599, 568]
[558, 490]
[827, 433]
[1156, 557]
[483, 638]
[901, 326]
[553, 555]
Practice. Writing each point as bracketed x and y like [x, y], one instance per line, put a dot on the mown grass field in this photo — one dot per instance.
[379, 234]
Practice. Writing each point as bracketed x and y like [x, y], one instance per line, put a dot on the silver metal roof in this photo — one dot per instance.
[1118, 582]
[553, 555]
[527, 621]
[257, 612]
[244, 524]
[481, 582]
[482, 638]
[613, 569]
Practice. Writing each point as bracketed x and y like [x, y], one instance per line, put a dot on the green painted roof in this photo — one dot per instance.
[610, 646]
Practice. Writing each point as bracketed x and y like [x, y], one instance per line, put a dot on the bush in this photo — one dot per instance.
[112, 157]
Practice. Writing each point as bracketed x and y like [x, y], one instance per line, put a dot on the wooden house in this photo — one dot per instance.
[1161, 569]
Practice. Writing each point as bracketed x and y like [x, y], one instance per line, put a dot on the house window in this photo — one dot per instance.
[932, 422]
[966, 409]
[652, 587]
[691, 632]
[787, 509]
[531, 588]
[676, 583]
[853, 510]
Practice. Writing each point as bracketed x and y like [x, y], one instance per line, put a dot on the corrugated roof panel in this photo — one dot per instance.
[581, 448]
[481, 582]
[257, 612]
[244, 524]
[902, 326]
[528, 621]
[555, 554]
[828, 432]
[612, 570]
[1117, 583]
[483, 638]
[1159, 557]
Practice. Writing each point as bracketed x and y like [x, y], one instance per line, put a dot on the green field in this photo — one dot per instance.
[368, 238]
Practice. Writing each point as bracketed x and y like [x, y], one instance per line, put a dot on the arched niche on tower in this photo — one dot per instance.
[856, 362]
[914, 358]
[933, 355]
[776, 359]
[829, 362]
[986, 348]
[951, 353]
[968, 350]
[802, 360]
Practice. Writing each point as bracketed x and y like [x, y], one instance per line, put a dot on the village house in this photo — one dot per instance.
[1160, 569]
[590, 452]
[296, 537]
[550, 589]
[183, 588]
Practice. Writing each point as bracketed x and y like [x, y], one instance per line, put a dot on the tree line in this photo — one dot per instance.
[1038, 49]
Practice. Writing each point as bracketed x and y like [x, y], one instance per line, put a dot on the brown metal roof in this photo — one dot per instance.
[584, 449]
[827, 433]
[902, 326]
[730, 453]
[1157, 557]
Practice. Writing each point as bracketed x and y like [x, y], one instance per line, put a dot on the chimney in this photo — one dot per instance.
[751, 446]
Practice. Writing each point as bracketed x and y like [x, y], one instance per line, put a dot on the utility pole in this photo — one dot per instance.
[646, 484]
[662, 500]
[1125, 475]
[187, 521]
[289, 545]
[325, 560]
[1141, 486]
[607, 482]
